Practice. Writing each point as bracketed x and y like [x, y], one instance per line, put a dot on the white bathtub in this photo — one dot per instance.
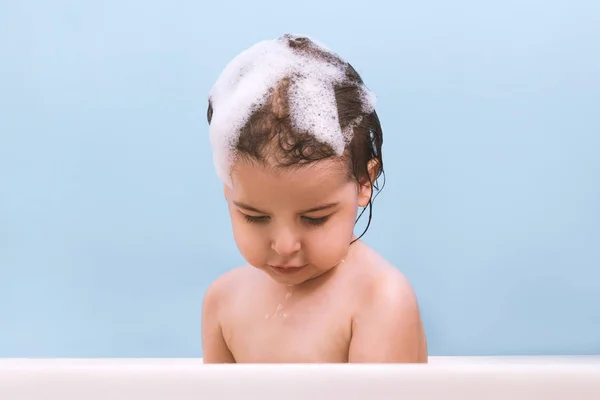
[514, 378]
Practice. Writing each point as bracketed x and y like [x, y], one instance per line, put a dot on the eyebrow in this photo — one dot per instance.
[314, 209]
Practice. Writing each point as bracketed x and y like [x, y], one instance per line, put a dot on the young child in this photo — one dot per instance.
[297, 143]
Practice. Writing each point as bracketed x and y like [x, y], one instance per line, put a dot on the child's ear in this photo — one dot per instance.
[365, 190]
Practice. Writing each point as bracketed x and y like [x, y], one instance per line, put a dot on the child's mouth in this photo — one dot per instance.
[286, 269]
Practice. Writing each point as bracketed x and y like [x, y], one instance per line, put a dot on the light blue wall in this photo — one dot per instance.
[113, 223]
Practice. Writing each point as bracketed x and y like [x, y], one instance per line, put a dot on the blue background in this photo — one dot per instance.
[113, 222]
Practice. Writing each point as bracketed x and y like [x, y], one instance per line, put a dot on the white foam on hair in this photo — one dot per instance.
[247, 81]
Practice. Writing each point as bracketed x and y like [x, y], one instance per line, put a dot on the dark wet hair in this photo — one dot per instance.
[269, 137]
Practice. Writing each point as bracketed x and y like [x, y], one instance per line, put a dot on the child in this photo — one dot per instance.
[297, 143]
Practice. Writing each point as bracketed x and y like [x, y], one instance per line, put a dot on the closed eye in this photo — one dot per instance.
[316, 221]
[254, 219]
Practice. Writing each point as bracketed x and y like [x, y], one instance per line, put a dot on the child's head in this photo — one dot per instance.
[297, 142]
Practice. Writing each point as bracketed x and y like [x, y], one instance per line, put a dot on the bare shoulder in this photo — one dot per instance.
[387, 323]
[223, 289]
[388, 286]
[218, 298]
[381, 282]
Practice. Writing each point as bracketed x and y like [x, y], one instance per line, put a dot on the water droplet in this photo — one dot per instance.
[284, 315]
[288, 295]
[266, 316]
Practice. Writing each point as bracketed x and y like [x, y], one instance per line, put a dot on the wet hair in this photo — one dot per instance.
[268, 136]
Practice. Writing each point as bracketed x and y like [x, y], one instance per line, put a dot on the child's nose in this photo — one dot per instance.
[285, 243]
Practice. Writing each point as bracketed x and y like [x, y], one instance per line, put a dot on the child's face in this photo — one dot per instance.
[300, 217]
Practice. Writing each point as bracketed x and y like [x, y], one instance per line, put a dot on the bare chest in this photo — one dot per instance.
[289, 330]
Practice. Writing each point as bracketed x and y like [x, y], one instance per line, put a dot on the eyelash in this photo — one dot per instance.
[316, 221]
[263, 219]
[254, 220]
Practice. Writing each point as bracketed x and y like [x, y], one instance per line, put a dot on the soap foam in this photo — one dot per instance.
[247, 81]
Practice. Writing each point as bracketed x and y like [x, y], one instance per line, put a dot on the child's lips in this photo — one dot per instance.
[286, 269]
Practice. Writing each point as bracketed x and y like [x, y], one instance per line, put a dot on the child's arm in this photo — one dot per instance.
[387, 328]
[214, 348]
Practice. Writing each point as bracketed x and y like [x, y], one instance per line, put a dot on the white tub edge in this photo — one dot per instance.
[514, 378]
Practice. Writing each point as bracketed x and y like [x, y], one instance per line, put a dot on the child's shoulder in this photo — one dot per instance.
[378, 272]
[383, 285]
[228, 285]
[386, 319]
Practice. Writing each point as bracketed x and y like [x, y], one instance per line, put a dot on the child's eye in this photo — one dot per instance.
[316, 221]
[255, 219]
